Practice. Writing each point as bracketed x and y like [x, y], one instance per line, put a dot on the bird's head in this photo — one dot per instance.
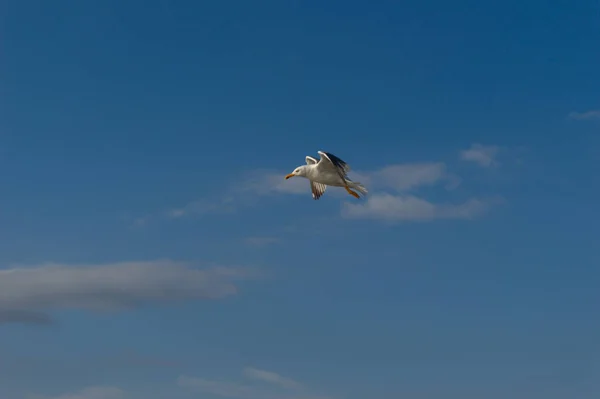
[299, 171]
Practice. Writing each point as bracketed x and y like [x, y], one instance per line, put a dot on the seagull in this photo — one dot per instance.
[328, 171]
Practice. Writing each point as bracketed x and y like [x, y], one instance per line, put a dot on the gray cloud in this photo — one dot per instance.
[29, 292]
[481, 154]
[88, 393]
[24, 316]
[594, 114]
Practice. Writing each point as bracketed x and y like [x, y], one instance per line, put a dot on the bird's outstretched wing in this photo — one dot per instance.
[310, 160]
[317, 189]
[335, 161]
[329, 160]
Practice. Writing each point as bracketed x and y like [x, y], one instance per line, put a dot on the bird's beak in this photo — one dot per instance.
[290, 175]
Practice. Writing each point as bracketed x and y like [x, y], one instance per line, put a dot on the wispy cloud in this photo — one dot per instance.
[483, 155]
[258, 241]
[267, 181]
[393, 198]
[593, 114]
[275, 386]
[389, 189]
[133, 358]
[29, 292]
[399, 177]
[99, 392]
[270, 377]
[242, 193]
[225, 389]
[410, 208]
[225, 204]
[403, 177]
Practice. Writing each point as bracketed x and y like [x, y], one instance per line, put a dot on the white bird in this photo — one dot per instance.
[328, 171]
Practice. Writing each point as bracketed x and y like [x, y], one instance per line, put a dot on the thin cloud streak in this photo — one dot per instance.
[275, 387]
[265, 181]
[252, 185]
[221, 388]
[99, 392]
[580, 116]
[259, 242]
[202, 207]
[270, 377]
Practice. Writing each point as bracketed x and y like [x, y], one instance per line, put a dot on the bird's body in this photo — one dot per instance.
[328, 171]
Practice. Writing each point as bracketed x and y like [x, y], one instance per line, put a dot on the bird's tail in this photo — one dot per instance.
[359, 187]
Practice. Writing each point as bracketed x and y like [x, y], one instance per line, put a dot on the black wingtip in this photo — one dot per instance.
[335, 159]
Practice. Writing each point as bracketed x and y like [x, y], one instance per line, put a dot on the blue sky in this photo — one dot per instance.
[150, 247]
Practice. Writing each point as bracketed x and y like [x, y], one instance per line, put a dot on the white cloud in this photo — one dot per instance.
[401, 206]
[88, 393]
[265, 182]
[481, 154]
[399, 177]
[269, 376]
[275, 386]
[410, 208]
[402, 177]
[594, 114]
[29, 292]
[380, 204]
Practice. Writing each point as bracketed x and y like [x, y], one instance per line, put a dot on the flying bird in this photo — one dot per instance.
[328, 171]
